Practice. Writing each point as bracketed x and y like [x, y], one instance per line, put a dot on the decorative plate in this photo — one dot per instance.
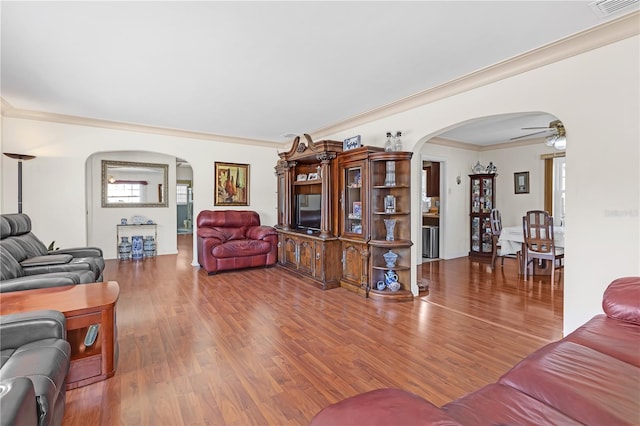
[138, 220]
[478, 168]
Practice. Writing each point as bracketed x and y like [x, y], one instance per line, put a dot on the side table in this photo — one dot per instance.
[82, 306]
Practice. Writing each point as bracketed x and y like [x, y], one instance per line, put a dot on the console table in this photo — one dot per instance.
[82, 306]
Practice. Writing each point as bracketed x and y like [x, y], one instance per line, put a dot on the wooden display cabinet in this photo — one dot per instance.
[355, 201]
[482, 200]
[390, 180]
[307, 211]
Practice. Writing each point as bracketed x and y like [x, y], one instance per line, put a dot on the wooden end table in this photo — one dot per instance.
[82, 306]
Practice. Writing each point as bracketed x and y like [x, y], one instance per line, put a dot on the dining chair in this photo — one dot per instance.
[537, 226]
[496, 229]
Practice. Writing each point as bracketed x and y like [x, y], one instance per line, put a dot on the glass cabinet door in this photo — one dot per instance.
[475, 234]
[487, 195]
[475, 195]
[353, 201]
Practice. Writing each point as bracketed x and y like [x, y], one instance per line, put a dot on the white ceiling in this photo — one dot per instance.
[259, 70]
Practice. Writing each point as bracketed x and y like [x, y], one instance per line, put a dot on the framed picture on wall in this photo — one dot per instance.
[521, 182]
[232, 184]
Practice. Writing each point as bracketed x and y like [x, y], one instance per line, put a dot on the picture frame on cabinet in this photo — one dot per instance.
[521, 182]
[351, 143]
[231, 184]
[312, 176]
[301, 177]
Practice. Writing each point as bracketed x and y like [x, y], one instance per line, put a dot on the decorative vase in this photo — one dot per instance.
[124, 249]
[149, 246]
[391, 258]
[390, 177]
[380, 285]
[137, 251]
[390, 277]
[390, 224]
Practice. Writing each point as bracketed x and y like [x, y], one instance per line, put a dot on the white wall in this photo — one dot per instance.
[56, 191]
[595, 94]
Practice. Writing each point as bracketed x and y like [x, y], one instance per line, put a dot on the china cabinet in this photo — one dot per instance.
[482, 199]
[354, 213]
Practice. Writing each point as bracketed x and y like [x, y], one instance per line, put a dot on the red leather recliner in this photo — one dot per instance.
[234, 239]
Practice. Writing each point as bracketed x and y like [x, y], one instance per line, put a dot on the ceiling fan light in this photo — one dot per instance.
[561, 142]
[551, 140]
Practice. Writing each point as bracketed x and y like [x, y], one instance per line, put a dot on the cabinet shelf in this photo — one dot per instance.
[391, 244]
[395, 268]
[307, 182]
[392, 214]
[390, 186]
[391, 296]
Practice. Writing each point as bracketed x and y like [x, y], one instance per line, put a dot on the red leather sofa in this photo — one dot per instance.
[590, 377]
[234, 239]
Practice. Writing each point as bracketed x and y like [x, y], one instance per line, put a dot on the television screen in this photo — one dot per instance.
[308, 210]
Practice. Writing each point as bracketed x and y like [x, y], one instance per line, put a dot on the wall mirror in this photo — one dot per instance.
[127, 184]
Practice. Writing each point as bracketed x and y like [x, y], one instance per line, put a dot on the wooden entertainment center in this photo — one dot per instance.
[340, 212]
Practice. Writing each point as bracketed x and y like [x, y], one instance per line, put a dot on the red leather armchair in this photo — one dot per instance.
[234, 239]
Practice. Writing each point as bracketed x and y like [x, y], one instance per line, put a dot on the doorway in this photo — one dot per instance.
[430, 208]
[184, 197]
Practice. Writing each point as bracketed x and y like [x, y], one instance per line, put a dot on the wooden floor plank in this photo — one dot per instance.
[263, 347]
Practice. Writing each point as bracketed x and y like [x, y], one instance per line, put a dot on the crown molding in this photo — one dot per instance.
[610, 32]
[9, 111]
[436, 140]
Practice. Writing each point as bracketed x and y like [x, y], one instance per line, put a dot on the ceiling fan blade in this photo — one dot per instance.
[533, 128]
[530, 134]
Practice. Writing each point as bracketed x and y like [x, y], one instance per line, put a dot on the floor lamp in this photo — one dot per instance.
[20, 158]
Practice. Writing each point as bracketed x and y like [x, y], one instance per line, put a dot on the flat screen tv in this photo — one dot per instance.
[308, 211]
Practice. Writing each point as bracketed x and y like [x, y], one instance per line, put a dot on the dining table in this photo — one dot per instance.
[511, 241]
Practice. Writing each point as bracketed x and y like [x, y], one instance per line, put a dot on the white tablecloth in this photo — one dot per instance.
[512, 237]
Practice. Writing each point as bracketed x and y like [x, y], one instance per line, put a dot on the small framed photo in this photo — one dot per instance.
[351, 143]
[312, 176]
[521, 182]
[301, 177]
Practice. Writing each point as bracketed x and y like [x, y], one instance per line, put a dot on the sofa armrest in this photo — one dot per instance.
[31, 282]
[621, 300]
[383, 407]
[79, 251]
[210, 233]
[19, 329]
[53, 259]
[72, 267]
[260, 232]
[18, 402]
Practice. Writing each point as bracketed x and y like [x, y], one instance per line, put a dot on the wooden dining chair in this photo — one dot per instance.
[537, 226]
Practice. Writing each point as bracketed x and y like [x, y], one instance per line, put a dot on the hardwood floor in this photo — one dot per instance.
[261, 347]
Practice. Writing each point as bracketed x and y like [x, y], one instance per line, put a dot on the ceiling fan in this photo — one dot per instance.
[557, 138]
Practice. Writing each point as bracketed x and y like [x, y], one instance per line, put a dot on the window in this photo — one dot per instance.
[182, 191]
[559, 178]
[555, 187]
[124, 193]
